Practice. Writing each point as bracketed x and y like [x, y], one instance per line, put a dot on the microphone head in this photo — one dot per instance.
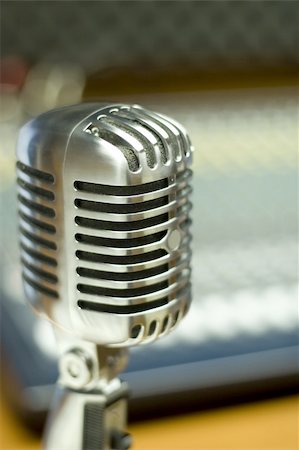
[104, 202]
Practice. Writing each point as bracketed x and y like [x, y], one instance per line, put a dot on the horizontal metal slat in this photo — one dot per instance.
[121, 208]
[121, 190]
[35, 214]
[91, 289]
[38, 224]
[36, 259]
[120, 260]
[37, 239]
[35, 173]
[34, 190]
[127, 199]
[96, 214]
[121, 309]
[97, 295]
[38, 234]
[171, 133]
[38, 272]
[35, 247]
[131, 268]
[95, 195]
[86, 272]
[38, 207]
[118, 251]
[123, 252]
[132, 283]
[93, 228]
[120, 243]
[35, 284]
[93, 222]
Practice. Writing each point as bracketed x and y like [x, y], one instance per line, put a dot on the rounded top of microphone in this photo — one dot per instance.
[138, 132]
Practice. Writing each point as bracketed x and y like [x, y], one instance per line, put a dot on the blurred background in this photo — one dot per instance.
[228, 71]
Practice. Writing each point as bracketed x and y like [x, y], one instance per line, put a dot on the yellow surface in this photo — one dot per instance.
[271, 425]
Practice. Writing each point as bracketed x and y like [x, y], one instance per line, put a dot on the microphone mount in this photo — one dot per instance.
[89, 410]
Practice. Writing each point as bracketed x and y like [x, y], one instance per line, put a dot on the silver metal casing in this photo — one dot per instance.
[104, 201]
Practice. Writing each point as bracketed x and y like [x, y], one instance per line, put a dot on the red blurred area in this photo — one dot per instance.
[13, 73]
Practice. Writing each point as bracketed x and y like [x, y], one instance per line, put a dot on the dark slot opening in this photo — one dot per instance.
[41, 209]
[44, 176]
[39, 256]
[165, 323]
[44, 193]
[131, 259]
[120, 243]
[105, 189]
[41, 273]
[127, 208]
[122, 309]
[38, 240]
[152, 327]
[123, 276]
[108, 292]
[40, 288]
[135, 331]
[43, 226]
[121, 226]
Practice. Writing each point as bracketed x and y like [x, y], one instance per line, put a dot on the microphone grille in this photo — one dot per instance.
[37, 212]
[104, 201]
[128, 261]
[144, 128]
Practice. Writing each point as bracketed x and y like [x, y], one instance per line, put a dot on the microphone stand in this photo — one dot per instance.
[89, 410]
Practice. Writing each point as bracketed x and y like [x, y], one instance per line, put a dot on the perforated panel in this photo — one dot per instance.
[154, 34]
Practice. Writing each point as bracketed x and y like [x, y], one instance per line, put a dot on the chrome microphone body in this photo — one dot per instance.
[104, 201]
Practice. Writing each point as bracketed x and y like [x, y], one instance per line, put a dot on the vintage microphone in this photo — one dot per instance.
[104, 202]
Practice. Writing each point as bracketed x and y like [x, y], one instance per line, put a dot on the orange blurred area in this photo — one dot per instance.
[268, 425]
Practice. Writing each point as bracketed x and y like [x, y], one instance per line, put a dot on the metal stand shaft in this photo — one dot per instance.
[89, 410]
